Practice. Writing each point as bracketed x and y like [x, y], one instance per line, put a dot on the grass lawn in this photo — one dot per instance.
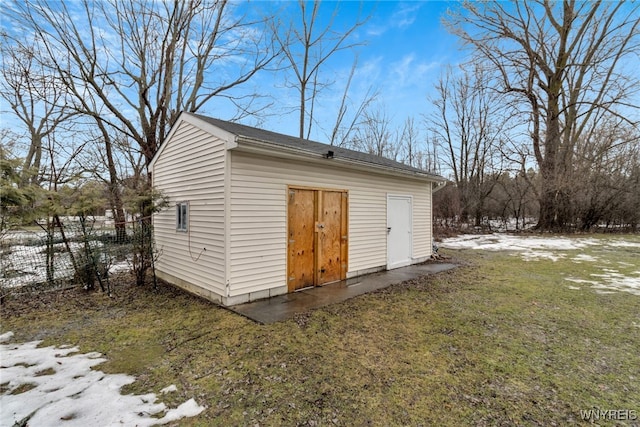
[498, 341]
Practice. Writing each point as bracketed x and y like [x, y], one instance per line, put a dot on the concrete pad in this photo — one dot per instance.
[286, 306]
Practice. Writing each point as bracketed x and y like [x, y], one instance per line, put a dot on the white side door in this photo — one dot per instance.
[399, 231]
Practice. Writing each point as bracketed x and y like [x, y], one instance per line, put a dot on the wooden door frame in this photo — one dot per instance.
[344, 235]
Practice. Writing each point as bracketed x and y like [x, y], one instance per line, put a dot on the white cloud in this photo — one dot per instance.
[369, 71]
[405, 16]
[408, 71]
[376, 30]
[401, 69]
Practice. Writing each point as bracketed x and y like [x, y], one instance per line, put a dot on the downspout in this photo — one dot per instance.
[435, 187]
[227, 216]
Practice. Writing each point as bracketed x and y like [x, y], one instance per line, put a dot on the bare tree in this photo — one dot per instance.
[604, 177]
[131, 66]
[62, 169]
[564, 63]
[144, 62]
[16, 199]
[345, 124]
[307, 49]
[375, 134]
[628, 212]
[410, 143]
[446, 206]
[466, 125]
[514, 197]
[103, 160]
[36, 98]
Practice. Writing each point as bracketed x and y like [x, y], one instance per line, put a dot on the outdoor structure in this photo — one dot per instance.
[257, 214]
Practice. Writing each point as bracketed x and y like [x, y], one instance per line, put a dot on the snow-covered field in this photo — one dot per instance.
[601, 252]
[55, 386]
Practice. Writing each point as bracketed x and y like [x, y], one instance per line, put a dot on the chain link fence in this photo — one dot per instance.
[60, 252]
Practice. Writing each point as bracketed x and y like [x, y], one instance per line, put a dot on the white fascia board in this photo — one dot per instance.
[229, 138]
[167, 139]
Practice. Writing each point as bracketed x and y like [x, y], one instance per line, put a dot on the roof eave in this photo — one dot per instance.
[440, 186]
[248, 144]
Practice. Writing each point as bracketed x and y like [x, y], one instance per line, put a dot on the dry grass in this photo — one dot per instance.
[497, 342]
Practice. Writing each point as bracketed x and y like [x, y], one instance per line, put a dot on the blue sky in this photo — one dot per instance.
[403, 50]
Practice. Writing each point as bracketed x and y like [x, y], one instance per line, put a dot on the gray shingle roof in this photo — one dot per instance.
[277, 139]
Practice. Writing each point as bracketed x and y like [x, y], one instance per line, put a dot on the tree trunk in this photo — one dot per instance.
[32, 160]
[114, 193]
[553, 198]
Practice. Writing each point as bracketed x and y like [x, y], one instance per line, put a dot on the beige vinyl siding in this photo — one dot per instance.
[422, 239]
[259, 210]
[191, 169]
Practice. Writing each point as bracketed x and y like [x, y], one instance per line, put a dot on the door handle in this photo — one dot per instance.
[388, 229]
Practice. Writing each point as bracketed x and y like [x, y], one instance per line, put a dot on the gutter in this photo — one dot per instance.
[299, 152]
[440, 186]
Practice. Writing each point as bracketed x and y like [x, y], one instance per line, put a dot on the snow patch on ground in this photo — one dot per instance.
[535, 256]
[588, 282]
[623, 244]
[55, 386]
[6, 336]
[614, 281]
[501, 242]
[535, 248]
[583, 257]
[169, 389]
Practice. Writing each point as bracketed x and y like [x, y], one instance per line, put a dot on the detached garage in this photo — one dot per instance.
[257, 214]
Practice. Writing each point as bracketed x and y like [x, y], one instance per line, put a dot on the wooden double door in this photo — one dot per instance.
[317, 237]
